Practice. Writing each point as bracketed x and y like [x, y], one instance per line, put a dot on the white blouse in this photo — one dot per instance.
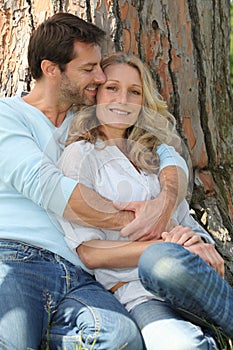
[110, 173]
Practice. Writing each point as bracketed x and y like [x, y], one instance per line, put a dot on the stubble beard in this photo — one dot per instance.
[74, 94]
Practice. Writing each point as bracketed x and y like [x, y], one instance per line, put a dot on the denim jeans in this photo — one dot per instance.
[164, 328]
[188, 285]
[48, 303]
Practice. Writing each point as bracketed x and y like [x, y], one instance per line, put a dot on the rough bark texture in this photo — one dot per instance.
[186, 45]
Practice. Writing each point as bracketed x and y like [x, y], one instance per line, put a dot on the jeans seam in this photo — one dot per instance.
[90, 339]
[95, 318]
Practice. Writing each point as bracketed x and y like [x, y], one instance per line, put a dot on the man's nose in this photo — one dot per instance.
[100, 77]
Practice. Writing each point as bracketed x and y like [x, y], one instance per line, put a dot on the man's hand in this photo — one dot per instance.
[151, 219]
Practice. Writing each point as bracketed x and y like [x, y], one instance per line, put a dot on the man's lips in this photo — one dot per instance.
[92, 90]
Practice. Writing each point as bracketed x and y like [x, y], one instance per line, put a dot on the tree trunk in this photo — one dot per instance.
[186, 45]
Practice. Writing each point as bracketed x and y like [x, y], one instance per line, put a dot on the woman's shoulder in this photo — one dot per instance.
[81, 146]
[75, 153]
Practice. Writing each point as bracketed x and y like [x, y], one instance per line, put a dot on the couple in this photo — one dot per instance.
[45, 293]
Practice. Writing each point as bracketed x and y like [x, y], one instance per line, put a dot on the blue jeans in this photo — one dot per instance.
[164, 328]
[188, 285]
[46, 302]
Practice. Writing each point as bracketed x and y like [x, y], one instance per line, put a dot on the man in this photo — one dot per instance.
[44, 291]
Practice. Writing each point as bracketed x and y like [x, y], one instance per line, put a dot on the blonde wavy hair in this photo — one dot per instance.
[155, 125]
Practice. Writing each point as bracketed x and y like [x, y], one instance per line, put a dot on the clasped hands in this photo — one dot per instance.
[194, 243]
[152, 222]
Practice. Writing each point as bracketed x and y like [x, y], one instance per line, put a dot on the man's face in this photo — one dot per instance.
[83, 75]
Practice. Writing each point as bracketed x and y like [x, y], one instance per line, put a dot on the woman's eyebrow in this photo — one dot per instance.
[117, 81]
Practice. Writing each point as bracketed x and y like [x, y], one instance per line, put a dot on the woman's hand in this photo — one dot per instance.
[181, 235]
[193, 242]
[208, 253]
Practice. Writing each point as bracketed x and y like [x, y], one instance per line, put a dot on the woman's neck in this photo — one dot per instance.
[113, 136]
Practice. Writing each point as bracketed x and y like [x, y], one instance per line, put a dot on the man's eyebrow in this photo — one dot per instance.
[90, 64]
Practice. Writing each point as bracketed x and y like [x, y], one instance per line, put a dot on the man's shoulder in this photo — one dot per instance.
[10, 101]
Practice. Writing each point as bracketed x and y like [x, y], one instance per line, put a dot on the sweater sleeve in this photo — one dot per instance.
[26, 164]
[76, 164]
[169, 157]
[183, 217]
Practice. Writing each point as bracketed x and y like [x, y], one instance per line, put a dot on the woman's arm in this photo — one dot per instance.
[111, 254]
[97, 253]
[120, 254]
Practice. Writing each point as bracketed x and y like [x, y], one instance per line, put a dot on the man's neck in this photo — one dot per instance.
[49, 104]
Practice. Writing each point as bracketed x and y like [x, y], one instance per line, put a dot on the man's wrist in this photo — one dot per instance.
[123, 218]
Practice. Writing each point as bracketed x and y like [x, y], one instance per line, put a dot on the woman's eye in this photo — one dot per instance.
[135, 92]
[113, 88]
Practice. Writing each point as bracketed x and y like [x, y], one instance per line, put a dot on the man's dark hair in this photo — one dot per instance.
[54, 40]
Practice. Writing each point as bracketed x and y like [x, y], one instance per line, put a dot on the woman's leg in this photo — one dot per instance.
[183, 279]
[163, 328]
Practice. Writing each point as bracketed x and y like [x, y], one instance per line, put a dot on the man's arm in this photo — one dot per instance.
[148, 218]
[88, 208]
[43, 183]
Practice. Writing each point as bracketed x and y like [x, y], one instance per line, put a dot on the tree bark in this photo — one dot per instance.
[186, 45]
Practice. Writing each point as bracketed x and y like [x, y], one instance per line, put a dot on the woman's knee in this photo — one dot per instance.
[177, 335]
[162, 264]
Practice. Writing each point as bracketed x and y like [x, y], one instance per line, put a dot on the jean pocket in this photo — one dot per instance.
[15, 252]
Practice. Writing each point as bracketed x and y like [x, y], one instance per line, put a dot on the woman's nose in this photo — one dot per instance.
[123, 97]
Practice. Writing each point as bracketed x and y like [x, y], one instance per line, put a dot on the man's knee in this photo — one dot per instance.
[93, 327]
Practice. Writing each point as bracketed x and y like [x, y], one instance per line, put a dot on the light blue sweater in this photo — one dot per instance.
[32, 188]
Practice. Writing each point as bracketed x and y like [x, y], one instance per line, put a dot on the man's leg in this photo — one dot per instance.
[183, 279]
[23, 296]
[91, 317]
[163, 328]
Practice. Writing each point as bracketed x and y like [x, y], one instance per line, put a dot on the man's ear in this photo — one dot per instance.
[49, 68]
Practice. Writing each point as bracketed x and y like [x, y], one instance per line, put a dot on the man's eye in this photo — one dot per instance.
[88, 69]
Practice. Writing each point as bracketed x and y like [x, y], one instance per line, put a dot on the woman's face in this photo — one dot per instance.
[119, 99]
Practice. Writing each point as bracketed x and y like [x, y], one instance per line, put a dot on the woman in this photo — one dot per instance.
[113, 150]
